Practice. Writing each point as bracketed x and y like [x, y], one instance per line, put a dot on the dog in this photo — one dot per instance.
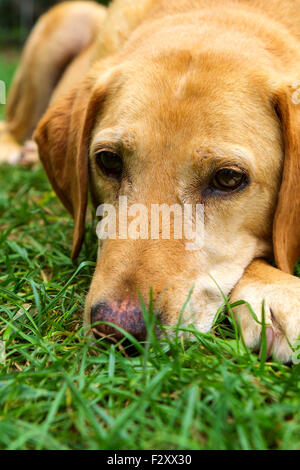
[174, 102]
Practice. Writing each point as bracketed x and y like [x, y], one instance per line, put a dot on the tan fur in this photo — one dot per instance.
[187, 86]
[281, 295]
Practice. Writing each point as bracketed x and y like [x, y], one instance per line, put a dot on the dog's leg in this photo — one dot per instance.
[281, 295]
[58, 37]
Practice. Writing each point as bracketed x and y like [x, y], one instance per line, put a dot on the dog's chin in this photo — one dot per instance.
[160, 327]
[183, 321]
[188, 307]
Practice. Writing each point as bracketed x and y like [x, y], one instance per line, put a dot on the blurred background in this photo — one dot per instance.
[18, 16]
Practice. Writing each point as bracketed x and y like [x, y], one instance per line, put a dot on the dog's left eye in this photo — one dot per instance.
[110, 163]
[228, 179]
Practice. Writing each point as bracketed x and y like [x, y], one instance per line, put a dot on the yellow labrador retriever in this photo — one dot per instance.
[173, 102]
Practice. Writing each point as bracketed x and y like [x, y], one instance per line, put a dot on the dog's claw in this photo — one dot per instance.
[270, 337]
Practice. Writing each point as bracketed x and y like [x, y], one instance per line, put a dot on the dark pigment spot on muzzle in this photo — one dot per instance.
[125, 314]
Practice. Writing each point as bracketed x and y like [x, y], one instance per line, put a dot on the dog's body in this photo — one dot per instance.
[177, 92]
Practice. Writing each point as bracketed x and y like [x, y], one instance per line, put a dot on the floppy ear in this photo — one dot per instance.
[286, 232]
[63, 138]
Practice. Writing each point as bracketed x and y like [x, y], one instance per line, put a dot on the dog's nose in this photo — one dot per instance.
[126, 315]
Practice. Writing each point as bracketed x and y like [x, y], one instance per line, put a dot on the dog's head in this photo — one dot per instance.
[176, 127]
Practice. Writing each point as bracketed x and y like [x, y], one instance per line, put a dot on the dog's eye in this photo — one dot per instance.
[110, 163]
[228, 179]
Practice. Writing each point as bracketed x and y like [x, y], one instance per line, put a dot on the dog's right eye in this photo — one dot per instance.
[110, 163]
[229, 179]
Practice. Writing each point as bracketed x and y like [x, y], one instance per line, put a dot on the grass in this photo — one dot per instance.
[8, 64]
[60, 390]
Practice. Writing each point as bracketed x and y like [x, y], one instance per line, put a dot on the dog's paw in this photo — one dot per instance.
[29, 154]
[12, 153]
[10, 150]
[282, 315]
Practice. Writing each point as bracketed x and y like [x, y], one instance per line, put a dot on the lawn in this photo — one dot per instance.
[8, 63]
[60, 390]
